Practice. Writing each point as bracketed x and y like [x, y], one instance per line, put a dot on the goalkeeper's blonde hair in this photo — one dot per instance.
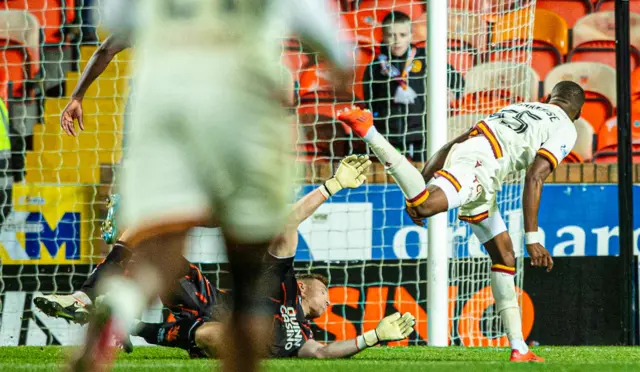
[312, 276]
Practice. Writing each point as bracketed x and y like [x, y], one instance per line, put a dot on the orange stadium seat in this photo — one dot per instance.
[608, 137]
[543, 57]
[570, 10]
[366, 22]
[635, 82]
[584, 144]
[315, 82]
[482, 103]
[20, 49]
[363, 27]
[461, 56]
[412, 8]
[509, 26]
[467, 38]
[551, 29]
[607, 146]
[51, 14]
[573, 157]
[610, 156]
[548, 27]
[4, 87]
[604, 5]
[321, 134]
[466, 31]
[596, 79]
[498, 76]
[486, 6]
[550, 34]
[293, 57]
[419, 30]
[315, 85]
[602, 26]
[603, 51]
[70, 11]
[466, 34]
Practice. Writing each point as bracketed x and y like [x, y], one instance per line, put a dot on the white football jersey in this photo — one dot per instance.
[519, 132]
[222, 25]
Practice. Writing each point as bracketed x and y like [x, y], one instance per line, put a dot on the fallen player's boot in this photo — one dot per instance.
[111, 320]
[104, 333]
[63, 306]
[109, 227]
[126, 345]
[518, 357]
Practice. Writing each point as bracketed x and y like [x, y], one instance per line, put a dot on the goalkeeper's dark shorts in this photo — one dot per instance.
[195, 297]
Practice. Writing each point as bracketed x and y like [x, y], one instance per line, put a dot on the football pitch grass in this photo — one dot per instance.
[379, 359]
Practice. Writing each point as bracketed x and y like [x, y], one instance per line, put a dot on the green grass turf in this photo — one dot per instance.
[379, 359]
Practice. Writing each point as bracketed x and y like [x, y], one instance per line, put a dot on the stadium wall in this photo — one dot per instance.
[575, 304]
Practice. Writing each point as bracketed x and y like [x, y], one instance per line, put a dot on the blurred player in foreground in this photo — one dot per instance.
[208, 140]
[198, 308]
[470, 170]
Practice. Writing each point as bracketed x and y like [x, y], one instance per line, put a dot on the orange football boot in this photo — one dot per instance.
[359, 120]
[529, 357]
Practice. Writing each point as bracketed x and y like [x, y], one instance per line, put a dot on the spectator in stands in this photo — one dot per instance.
[394, 88]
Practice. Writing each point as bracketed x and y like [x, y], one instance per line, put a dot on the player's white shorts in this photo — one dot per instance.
[207, 139]
[471, 172]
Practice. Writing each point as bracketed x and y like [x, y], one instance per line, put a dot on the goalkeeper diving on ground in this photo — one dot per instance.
[198, 309]
[469, 171]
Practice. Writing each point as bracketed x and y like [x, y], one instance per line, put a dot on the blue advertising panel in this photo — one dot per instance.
[370, 223]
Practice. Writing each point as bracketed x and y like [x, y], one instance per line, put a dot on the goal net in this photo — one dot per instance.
[375, 258]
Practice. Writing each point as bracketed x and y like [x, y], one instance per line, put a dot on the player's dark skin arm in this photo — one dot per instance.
[95, 67]
[437, 201]
[536, 175]
[98, 63]
[436, 162]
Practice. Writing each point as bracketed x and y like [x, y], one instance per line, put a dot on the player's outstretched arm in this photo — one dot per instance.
[95, 67]
[534, 180]
[349, 175]
[318, 26]
[391, 328]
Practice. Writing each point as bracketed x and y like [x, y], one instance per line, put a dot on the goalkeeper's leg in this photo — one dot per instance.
[184, 333]
[492, 232]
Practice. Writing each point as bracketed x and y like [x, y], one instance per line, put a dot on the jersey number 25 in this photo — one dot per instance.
[519, 122]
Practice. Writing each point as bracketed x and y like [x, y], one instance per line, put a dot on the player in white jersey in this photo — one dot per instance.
[209, 139]
[469, 171]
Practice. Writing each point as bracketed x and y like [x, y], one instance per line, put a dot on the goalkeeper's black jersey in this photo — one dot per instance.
[291, 328]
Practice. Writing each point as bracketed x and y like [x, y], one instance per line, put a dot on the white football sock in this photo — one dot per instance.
[386, 153]
[408, 178]
[504, 292]
[126, 299]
